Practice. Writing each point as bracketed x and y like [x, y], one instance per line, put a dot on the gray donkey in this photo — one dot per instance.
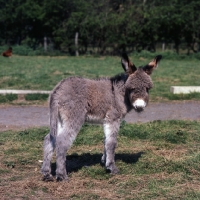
[106, 100]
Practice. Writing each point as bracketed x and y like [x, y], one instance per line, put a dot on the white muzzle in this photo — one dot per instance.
[139, 104]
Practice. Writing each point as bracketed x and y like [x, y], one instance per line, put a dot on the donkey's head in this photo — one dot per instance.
[139, 81]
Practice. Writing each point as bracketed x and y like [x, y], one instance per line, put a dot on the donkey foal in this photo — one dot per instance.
[107, 100]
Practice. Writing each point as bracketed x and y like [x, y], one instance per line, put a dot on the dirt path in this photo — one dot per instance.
[22, 117]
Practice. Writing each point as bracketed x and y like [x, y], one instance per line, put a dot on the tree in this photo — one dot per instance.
[19, 19]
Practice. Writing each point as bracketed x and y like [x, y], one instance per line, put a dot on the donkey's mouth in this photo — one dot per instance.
[139, 109]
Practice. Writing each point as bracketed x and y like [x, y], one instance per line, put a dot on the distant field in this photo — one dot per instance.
[44, 72]
[157, 160]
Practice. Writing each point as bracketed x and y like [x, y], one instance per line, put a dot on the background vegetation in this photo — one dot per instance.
[103, 26]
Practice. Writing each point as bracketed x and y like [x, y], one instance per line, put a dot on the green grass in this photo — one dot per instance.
[157, 160]
[44, 72]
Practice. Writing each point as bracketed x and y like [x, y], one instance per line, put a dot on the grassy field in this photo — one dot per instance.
[44, 72]
[157, 160]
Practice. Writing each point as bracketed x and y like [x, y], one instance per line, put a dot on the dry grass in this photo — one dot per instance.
[151, 167]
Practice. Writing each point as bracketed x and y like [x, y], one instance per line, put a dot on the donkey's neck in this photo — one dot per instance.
[119, 90]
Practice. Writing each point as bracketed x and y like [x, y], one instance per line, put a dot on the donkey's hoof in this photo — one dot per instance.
[61, 178]
[47, 177]
[113, 170]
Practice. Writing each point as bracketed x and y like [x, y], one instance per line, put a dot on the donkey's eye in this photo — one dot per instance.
[132, 90]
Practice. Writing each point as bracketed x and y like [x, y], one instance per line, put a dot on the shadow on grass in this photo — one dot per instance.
[75, 162]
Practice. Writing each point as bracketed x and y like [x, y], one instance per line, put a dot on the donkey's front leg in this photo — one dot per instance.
[110, 143]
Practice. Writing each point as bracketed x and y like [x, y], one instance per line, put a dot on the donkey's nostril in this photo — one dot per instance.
[139, 104]
[139, 109]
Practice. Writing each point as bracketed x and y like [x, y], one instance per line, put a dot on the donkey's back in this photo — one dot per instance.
[82, 99]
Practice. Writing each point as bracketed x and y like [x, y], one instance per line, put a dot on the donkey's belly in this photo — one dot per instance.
[94, 119]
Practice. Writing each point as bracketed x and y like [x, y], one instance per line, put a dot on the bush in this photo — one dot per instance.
[25, 50]
[33, 97]
[8, 98]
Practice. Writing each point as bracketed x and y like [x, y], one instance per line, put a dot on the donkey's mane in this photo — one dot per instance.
[119, 77]
[115, 79]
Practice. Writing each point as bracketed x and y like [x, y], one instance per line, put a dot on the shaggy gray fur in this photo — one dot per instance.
[77, 100]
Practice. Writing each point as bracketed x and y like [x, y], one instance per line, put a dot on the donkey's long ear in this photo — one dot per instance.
[152, 65]
[128, 67]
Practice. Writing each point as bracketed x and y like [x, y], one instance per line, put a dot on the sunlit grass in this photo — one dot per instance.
[44, 72]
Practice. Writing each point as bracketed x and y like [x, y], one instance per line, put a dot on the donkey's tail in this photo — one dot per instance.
[53, 116]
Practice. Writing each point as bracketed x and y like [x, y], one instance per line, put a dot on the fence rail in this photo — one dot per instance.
[25, 92]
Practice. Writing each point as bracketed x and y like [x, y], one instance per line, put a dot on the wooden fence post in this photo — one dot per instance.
[76, 44]
[45, 43]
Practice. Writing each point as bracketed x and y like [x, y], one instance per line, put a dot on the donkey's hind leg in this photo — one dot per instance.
[49, 146]
[110, 143]
[67, 133]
